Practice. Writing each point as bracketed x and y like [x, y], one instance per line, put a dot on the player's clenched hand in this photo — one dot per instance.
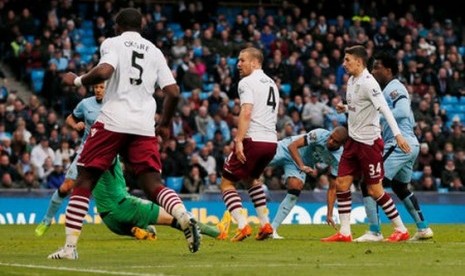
[163, 132]
[79, 126]
[68, 78]
[239, 150]
[306, 169]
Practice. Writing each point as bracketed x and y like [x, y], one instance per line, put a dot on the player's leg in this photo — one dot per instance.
[410, 202]
[53, 205]
[349, 166]
[233, 203]
[392, 164]
[371, 209]
[144, 158]
[58, 197]
[295, 183]
[97, 156]
[259, 155]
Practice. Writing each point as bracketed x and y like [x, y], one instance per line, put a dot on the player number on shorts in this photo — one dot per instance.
[271, 101]
[375, 169]
[135, 56]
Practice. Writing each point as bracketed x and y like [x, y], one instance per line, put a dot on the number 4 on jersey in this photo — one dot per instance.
[271, 101]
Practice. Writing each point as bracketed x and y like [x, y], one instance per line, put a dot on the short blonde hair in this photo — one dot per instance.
[254, 53]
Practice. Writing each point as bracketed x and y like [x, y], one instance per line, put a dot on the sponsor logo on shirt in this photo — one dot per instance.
[376, 92]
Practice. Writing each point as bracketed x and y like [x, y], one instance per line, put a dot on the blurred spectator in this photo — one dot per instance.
[193, 183]
[8, 173]
[171, 157]
[180, 126]
[457, 185]
[64, 152]
[424, 158]
[190, 79]
[29, 181]
[428, 184]
[283, 118]
[215, 99]
[457, 138]
[57, 176]
[206, 160]
[218, 124]
[202, 120]
[448, 174]
[313, 113]
[41, 152]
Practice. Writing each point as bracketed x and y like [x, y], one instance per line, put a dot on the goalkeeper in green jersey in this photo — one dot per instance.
[125, 214]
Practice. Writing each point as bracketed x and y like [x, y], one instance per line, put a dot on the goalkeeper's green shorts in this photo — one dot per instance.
[131, 211]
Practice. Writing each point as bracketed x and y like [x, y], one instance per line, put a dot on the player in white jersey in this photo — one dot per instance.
[299, 155]
[133, 67]
[82, 118]
[363, 151]
[397, 164]
[254, 145]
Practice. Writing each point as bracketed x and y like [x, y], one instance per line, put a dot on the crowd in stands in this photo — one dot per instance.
[303, 43]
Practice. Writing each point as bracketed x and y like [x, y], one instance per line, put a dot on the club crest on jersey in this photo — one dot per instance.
[394, 94]
[92, 132]
[312, 136]
[240, 90]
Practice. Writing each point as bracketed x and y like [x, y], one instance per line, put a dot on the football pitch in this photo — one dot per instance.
[300, 253]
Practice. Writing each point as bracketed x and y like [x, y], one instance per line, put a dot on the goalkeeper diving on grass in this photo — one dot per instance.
[125, 214]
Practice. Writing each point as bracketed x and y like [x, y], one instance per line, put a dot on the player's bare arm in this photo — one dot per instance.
[98, 74]
[244, 121]
[170, 102]
[330, 200]
[74, 124]
[294, 151]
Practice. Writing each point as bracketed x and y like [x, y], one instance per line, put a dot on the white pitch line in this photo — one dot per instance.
[98, 271]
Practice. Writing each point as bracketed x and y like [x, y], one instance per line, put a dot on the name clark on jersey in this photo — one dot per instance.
[136, 45]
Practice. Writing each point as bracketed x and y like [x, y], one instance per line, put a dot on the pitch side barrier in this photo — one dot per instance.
[28, 207]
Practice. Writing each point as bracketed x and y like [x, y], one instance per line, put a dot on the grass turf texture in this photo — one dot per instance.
[300, 253]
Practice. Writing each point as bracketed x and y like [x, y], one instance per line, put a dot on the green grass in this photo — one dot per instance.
[300, 253]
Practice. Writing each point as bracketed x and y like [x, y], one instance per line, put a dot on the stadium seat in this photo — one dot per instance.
[232, 62]
[174, 182]
[462, 51]
[186, 94]
[449, 108]
[207, 87]
[88, 41]
[204, 95]
[449, 100]
[286, 89]
[416, 175]
[174, 26]
[87, 24]
[462, 100]
[443, 190]
[37, 79]
[460, 108]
